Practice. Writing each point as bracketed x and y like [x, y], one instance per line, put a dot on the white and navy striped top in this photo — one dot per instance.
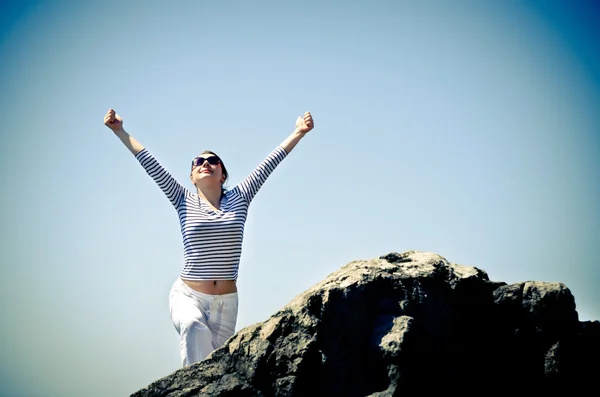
[212, 239]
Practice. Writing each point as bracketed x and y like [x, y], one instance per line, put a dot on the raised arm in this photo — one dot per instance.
[113, 121]
[170, 187]
[303, 125]
[253, 182]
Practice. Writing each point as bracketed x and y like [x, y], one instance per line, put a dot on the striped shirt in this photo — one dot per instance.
[212, 239]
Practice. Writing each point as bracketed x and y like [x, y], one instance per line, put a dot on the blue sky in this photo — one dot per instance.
[470, 130]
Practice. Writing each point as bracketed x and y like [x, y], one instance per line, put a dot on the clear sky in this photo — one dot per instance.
[470, 129]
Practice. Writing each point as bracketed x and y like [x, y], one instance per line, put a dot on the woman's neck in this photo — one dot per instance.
[212, 195]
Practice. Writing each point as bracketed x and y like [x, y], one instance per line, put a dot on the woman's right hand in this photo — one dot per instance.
[113, 121]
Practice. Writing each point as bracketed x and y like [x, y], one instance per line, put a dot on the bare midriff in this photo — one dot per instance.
[212, 287]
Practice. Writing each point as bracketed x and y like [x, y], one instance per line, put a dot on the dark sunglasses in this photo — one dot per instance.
[213, 160]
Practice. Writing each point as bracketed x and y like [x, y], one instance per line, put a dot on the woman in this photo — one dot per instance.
[203, 301]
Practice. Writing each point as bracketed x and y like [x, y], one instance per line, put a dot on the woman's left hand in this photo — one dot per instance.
[305, 123]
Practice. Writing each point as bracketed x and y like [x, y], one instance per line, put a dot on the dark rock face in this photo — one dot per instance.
[402, 323]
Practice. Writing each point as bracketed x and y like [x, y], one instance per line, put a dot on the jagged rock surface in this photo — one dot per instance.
[410, 322]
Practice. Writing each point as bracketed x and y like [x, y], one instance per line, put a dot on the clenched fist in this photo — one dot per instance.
[305, 123]
[113, 120]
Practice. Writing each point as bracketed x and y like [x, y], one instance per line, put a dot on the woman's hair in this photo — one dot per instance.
[223, 169]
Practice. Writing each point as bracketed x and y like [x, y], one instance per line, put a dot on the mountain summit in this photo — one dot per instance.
[401, 323]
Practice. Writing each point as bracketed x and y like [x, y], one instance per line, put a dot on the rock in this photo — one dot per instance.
[402, 323]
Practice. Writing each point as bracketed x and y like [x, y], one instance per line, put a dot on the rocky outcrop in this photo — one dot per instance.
[410, 322]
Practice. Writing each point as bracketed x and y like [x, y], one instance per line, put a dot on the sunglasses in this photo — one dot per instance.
[212, 160]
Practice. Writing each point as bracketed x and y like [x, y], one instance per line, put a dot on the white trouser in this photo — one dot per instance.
[203, 321]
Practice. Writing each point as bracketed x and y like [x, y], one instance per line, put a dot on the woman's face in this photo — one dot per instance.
[206, 170]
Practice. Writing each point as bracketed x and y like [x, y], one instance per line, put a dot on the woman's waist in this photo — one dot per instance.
[212, 287]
